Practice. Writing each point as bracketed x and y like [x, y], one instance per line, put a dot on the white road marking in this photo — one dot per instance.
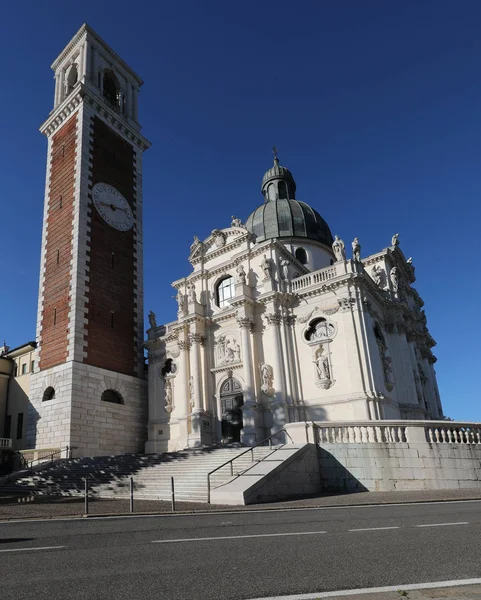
[443, 524]
[373, 529]
[378, 590]
[237, 537]
[30, 549]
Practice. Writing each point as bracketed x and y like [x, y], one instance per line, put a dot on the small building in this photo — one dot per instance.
[16, 365]
[276, 325]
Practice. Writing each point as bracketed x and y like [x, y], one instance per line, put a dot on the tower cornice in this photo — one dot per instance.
[83, 93]
[84, 32]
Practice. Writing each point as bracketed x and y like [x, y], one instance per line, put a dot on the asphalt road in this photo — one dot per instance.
[240, 555]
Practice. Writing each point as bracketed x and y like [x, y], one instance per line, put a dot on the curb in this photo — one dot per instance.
[233, 509]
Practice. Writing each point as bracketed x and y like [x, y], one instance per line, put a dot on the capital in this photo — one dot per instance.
[245, 323]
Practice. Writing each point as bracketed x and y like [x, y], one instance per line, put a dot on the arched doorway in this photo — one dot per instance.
[231, 401]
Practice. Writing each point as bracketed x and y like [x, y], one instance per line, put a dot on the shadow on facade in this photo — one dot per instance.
[335, 478]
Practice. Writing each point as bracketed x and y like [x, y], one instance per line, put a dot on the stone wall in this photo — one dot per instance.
[394, 455]
[399, 466]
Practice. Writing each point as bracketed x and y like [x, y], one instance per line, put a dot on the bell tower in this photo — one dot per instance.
[88, 390]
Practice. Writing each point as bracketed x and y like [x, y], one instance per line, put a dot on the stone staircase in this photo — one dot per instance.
[109, 476]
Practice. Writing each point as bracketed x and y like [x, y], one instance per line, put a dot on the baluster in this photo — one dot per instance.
[468, 435]
[363, 434]
[436, 435]
[430, 435]
[462, 436]
[450, 436]
[345, 436]
[378, 434]
[478, 437]
[443, 434]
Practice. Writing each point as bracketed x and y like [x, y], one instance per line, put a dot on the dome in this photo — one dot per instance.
[288, 218]
[282, 215]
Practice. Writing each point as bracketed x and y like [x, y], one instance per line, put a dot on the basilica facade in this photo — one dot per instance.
[276, 324]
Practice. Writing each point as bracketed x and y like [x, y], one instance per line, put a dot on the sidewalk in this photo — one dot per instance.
[466, 592]
[61, 507]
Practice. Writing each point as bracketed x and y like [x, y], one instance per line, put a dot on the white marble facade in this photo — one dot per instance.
[276, 325]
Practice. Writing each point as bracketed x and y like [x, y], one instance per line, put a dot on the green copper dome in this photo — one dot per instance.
[282, 215]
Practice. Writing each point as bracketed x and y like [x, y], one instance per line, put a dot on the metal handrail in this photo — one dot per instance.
[251, 450]
[50, 457]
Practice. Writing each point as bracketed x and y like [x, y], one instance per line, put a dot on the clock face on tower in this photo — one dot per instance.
[112, 207]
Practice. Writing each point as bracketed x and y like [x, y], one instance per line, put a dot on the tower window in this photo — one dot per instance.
[72, 78]
[301, 255]
[225, 291]
[49, 394]
[24, 368]
[54, 316]
[60, 202]
[58, 256]
[111, 89]
[112, 396]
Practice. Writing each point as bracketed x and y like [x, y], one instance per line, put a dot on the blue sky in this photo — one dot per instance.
[373, 105]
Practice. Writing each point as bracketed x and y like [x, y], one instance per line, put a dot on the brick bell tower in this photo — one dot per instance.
[88, 390]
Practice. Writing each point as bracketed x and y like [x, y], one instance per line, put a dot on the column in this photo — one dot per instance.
[86, 61]
[57, 88]
[80, 63]
[278, 405]
[93, 74]
[134, 105]
[129, 100]
[251, 430]
[181, 392]
[196, 372]
[60, 85]
[289, 325]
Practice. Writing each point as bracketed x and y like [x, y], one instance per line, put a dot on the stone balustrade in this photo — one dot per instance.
[5, 443]
[314, 278]
[434, 432]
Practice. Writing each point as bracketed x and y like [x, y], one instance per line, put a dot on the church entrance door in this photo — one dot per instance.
[231, 401]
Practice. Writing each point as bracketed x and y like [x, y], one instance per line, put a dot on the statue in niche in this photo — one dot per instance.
[267, 378]
[285, 269]
[339, 248]
[395, 240]
[237, 222]
[169, 405]
[356, 250]
[191, 292]
[152, 320]
[266, 266]
[321, 360]
[241, 274]
[378, 276]
[393, 276]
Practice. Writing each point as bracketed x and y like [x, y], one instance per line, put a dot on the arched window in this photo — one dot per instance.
[301, 255]
[112, 396]
[319, 329]
[225, 291]
[282, 187]
[111, 88]
[72, 78]
[169, 368]
[49, 394]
